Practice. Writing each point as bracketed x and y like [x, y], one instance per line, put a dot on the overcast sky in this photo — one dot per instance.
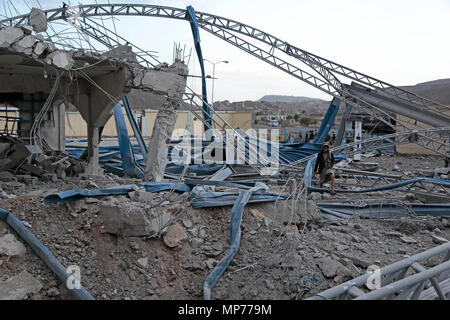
[402, 42]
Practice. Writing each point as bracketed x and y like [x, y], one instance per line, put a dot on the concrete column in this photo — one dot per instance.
[53, 129]
[174, 83]
[93, 167]
[157, 157]
[26, 108]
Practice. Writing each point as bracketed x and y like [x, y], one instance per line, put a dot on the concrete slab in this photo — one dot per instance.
[10, 246]
[19, 286]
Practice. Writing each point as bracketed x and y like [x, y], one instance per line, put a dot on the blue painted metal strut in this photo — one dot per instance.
[42, 252]
[235, 238]
[136, 130]
[129, 164]
[196, 34]
[328, 121]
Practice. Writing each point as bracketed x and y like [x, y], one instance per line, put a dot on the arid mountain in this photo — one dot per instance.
[287, 99]
[437, 90]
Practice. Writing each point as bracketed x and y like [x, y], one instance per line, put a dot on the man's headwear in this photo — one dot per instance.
[325, 144]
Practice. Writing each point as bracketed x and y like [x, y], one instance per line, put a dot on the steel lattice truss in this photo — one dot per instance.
[432, 142]
[227, 29]
[395, 283]
[367, 180]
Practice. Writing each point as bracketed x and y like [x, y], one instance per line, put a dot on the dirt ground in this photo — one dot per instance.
[278, 258]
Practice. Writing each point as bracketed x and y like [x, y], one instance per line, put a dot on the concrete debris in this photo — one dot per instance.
[38, 20]
[25, 45]
[40, 48]
[187, 223]
[332, 268]
[19, 287]
[142, 196]
[174, 236]
[119, 221]
[61, 59]
[27, 159]
[122, 53]
[10, 35]
[10, 246]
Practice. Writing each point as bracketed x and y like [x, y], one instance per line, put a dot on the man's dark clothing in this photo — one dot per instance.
[320, 162]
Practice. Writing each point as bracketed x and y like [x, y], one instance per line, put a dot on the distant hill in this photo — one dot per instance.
[437, 90]
[288, 99]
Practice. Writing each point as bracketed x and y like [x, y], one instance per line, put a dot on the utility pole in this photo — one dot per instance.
[213, 77]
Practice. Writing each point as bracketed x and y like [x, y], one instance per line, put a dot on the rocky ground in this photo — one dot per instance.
[121, 255]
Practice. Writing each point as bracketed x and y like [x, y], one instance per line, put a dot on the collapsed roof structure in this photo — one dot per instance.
[57, 70]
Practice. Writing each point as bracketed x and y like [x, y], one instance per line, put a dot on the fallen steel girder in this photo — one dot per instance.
[363, 183]
[432, 136]
[390, 105]
[392, 281]
[383, 209]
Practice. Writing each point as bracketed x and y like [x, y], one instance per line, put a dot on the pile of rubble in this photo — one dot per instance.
[26, 163]
[144, 245]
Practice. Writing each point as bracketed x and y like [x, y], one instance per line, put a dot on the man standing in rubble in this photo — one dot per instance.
[324, 166]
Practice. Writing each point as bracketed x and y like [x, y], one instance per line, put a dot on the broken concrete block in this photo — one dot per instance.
[123, 53]
[20, 153]
[37, 20]
[187, 223]
[126, 223]
[40, 48]
[10, 246]
[25, 44]
[62, 59]
[19, 286]
[331, 268]
[142, 196]
[175, 235]
[10, 35]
